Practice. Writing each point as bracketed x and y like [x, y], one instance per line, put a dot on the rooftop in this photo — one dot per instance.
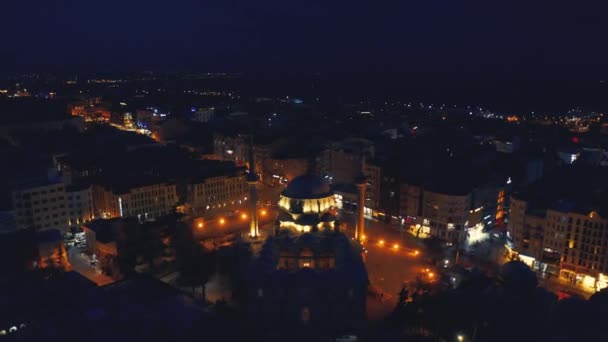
[307, 187]
[349, 268]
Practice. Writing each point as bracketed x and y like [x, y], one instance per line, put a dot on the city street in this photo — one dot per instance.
[81, 263]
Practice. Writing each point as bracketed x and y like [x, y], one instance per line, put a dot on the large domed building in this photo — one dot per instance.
[307, 205]
[308, 274]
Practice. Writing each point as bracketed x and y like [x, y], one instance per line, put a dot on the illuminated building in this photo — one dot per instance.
[375, 189]
[51, 250]
[443, 215]
[236, 149]
[309, 274]
[146, 201]
[52, 206]
[213, 194]
[560, 230]
[307, 205]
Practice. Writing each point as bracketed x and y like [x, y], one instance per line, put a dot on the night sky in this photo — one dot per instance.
[536, 38]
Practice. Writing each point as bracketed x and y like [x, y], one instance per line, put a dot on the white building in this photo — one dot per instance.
[52, 206]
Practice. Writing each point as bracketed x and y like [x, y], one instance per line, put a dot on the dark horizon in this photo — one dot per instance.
[518, 39]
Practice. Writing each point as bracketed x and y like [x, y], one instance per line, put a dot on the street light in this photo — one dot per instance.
[396, 246]
[263, 212]
[381, 243]
[460, 338]
[200, 225]
[244, 216]
[222, 221]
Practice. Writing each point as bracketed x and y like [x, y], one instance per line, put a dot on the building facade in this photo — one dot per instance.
[145, 202]
[52, 206]
[562, 242]
[443, 215]
[216, 194]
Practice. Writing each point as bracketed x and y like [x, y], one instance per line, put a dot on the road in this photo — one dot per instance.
[81, 263]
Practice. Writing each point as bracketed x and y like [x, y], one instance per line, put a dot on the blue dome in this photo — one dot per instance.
[307, 187]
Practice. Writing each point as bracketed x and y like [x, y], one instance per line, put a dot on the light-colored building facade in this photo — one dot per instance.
[145, 202]
[444, 216]
[52, 206]
[216, 194]
[562, 242]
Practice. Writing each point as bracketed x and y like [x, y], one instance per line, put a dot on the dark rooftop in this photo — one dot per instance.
[575, 188]
[307, 187]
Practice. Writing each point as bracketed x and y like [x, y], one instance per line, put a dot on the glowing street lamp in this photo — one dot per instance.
[244, 216]
[200, 225]
[222, 221]
[460, 338]
[396, 246]
[381, 243]
[263, 212]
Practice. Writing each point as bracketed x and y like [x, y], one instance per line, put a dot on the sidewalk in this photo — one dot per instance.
[555, 284]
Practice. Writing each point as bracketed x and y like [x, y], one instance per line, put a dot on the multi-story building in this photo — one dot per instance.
[146, 201]
[562, 232]
[203, 114]
[52, 206]
[342, 160]
[444, 215]
[373, 171]
[561, 241]
[236, 149]
[214, 194]
[410, 206]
